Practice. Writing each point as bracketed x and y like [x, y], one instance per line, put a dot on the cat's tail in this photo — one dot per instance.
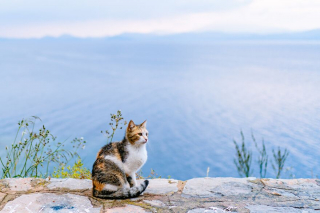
[122, 193]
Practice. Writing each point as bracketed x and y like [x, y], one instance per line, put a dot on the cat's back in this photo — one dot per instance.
[111, 149]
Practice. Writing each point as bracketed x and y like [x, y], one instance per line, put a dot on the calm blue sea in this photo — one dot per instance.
[196, 98]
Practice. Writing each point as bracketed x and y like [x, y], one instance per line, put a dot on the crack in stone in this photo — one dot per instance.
[289, 189]
[3, 204]
[169, 201]
[181, 185]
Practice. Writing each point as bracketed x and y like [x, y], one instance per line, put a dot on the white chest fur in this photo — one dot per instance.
[137, 156]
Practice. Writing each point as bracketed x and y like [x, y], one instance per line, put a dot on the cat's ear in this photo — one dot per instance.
[131, 125]
[144, 124]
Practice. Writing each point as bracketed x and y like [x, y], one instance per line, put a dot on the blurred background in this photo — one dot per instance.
[200, 71]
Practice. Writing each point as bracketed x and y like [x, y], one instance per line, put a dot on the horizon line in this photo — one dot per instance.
[214, 34]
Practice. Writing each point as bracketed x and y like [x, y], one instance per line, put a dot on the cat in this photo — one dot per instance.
[114, 171]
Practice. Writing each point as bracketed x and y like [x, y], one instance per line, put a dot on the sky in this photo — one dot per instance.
[101, 18]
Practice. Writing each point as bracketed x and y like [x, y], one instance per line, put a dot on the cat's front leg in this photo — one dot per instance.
[132, 179]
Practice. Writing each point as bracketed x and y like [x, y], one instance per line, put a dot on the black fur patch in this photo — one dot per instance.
[129, 179]
[122, 149]
[106, 150]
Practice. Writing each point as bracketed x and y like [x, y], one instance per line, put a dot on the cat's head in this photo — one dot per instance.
[137, 134]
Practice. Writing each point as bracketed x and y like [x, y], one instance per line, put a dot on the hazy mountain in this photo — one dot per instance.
[212, 36]
[196, 37]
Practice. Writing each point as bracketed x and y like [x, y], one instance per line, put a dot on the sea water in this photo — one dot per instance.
[196, 98]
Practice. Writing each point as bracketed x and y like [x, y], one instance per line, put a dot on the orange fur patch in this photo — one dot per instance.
[116, 152]
[97, 185]
[100, 166]
[98, 153]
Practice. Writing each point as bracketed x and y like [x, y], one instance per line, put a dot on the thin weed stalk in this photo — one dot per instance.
[116, 122]
[263, 157]
[243, 158]
[279, 159]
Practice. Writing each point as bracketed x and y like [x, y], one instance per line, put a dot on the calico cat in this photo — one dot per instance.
[114, 171]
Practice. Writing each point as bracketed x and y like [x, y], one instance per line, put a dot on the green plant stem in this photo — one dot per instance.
[27, 156]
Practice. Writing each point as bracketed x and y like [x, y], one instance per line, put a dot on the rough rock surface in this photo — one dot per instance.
[210, 195]
[162, 186]
[69, 183]
[48, 202]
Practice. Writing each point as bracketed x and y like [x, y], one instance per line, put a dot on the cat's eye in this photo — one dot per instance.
[140, 134]
[146, 134]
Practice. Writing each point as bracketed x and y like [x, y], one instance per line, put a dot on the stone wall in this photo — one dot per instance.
[164, 195]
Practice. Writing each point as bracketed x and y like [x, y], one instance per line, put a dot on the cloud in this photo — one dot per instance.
[258, 16]
[84, 10]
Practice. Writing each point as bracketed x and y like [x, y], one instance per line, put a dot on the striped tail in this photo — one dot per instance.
[122, 193]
